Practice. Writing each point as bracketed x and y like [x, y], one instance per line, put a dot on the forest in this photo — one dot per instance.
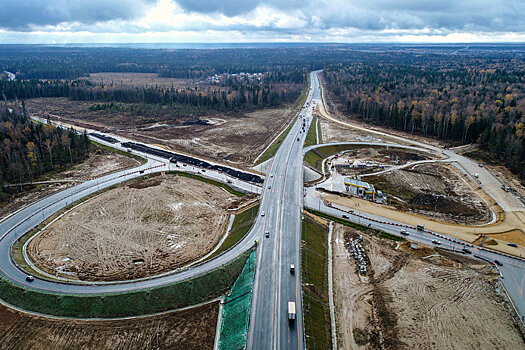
[457, 99]
[448, 92]
[29, 149]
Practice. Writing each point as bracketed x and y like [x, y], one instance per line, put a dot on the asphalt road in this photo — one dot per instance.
[274, 284]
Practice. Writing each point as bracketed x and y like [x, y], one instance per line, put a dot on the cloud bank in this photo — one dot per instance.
[258, 20]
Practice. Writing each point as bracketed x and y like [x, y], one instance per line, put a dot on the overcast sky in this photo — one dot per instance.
[193, 21]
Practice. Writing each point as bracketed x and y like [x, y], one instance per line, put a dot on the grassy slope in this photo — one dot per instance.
[199, 289]
[314, 257]
[270, 152]
[242, 223]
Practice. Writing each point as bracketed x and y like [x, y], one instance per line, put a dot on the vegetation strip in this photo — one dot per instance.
[311, 137]
[236, 309]
[314, 259]
[242, 224]
[147, 301]
[270, 152]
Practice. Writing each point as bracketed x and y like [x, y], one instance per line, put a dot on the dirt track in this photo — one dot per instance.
[192, 329]
[414, 303]
[136, 230]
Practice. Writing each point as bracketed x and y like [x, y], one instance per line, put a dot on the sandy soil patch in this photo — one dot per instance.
[511, 221]
[192, 329]
[140, 229]
[414, 303]
[100, 162]
[237, 138]
[436, 191]
[337, 133]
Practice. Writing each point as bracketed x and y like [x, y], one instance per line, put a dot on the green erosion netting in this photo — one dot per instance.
[236, 309]
[147, 301]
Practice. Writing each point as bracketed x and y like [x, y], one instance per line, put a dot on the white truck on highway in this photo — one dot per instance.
[291, 311]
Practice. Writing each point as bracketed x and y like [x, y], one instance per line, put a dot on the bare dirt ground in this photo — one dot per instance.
[99, 163]
[136, 79]
[436, 191]
[380, 156]
[192, 329]
[337, 133]
[408, 302]
[237, 138]
[139, 229]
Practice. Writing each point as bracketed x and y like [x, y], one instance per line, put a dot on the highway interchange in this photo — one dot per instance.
[282, 197]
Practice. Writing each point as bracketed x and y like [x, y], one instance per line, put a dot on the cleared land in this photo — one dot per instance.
[407, 302]
[136, 79]
[139, 229]
[385, 157]
[191, 329]
[436, 191]
[237, 138]
[100, 162]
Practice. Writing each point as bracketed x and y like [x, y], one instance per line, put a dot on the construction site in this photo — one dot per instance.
[234, 138]
[423, 299]
[139, 229]
[191, 329]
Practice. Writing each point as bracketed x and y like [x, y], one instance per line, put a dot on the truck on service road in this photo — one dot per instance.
[291, 311]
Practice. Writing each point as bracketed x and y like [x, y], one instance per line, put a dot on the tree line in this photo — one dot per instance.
[29, 150]
[238, 96]
[463, 100]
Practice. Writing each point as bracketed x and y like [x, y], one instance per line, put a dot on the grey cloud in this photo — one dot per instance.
[481, 15]
[232, 8]
[22, 15]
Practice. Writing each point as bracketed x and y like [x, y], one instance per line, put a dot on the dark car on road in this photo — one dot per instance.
[497, 262]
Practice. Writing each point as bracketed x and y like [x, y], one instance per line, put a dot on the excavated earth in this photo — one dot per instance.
[136, 230]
